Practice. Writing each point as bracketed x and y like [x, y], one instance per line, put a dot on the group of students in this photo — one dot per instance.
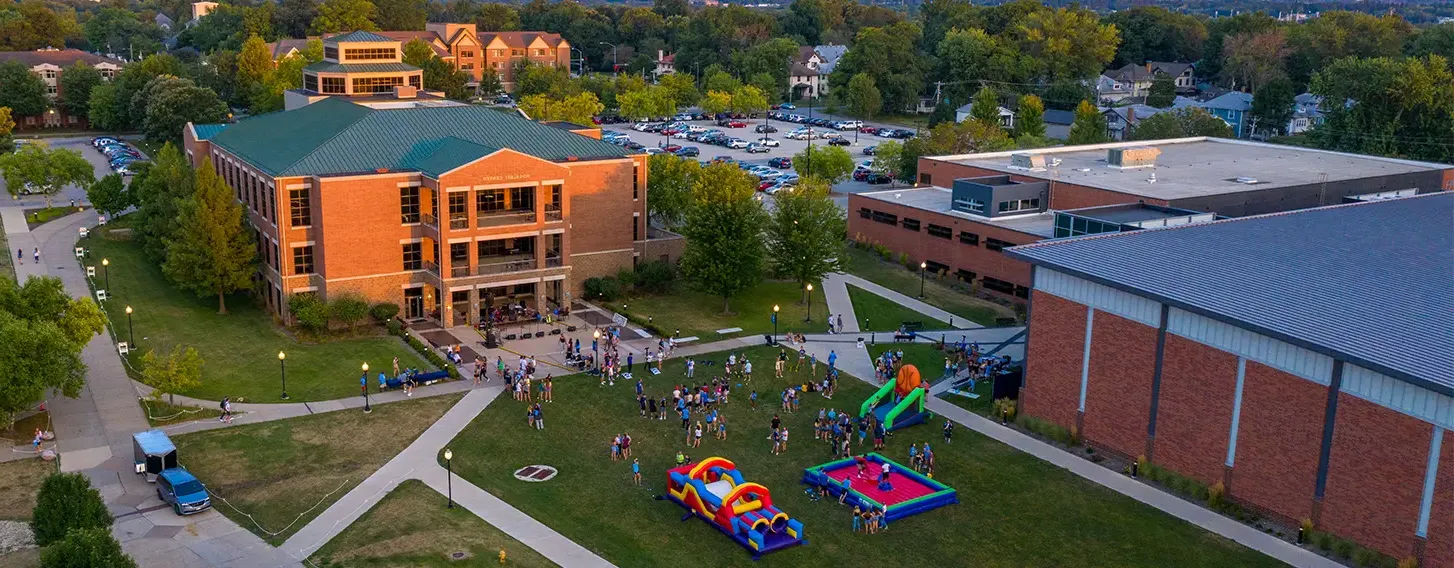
[870, 520]
[922, 460]
[837, 429]
[621, 447]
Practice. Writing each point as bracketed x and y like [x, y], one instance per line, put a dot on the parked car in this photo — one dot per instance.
[861, 175]
[737, 124]
[100, 141]
[635, 146]
[689, 152]
[777, 187]
[766, 184]
[788, 106]
[765, 129]
[652, 151]
[770, 143]
[737, 144]
[839, 141]
[876, 178]
[724, 160]
[671, 148]
[869, 151]
[782, 163]
[868, 130]
[180, 489]
[755, 148]
[788, 178]
[849, 125]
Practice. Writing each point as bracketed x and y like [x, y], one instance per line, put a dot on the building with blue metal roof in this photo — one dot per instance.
[1304, 360]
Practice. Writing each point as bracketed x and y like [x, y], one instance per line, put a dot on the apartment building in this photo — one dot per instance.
[473, 51]
[49, 63]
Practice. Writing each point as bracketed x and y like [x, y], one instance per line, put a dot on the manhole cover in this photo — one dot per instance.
[535, 473]
[458, 555]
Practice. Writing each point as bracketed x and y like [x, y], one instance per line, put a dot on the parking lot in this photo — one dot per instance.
[79, 144]
[787, 147]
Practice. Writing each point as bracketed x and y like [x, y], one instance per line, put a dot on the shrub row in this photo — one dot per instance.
[1046, 429]
[653, 277]
[424, 351]
[347, 309]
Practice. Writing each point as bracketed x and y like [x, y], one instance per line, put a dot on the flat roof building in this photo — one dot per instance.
[1303, 360]
[991, 201]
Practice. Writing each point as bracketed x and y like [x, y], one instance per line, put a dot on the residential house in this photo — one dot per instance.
[1120, 121]
[806, 78]
[285, 47]
[48, 63]
[829, 56]
[163, 22]
[201, 9]
[1135, 80]
[1007, 116]
[473, 51]
[1057, 123]
[1232, 107]
[666, 63]
[1305, 114]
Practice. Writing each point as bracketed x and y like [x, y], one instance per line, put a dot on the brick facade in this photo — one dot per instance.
[1279, 437]
[1376, 476]
[1194, 408]
[1052, 376]
[1118, 389]
[1439, 549]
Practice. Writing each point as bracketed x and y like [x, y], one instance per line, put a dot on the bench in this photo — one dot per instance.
[421, 379]
[904, 337]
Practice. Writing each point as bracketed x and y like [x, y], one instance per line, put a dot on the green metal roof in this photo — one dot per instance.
[207, 131]
[331, 67]
[357, 36]
[334, 136]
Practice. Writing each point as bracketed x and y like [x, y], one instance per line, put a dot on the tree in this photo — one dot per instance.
[862, 96]
[439, 75]
[490, 81]
[83, 548]
[45, 170]
[77, 82]
[1255, 59]
[7, 127]
[1180, 123]
[31, 25]
[1400, 107]
[805, 235]
[968, 56]
[102, 114]
[133, 80]
[1163, 91]
[986, 107]
[670, 179]
[294, 17]
[395, 15]
[67, 502]
[887, 157]
[173, 102]
[682, 87]
[1071, 43]
[641, 104]
[42, 331]
[828, 163]
[889, 55]
[669, 8]
[254, 66]
[719, 80]
[158, 190]
[1336, 34]
[109, 195]
[748, 99]
[213, 251]
[769, 57]
[348, 309]
[536, 79]
[22, 90]
[344, 16]
[716, 102]
[1153, 33]
[1272, 108]
[1223, 28]
[1089, 126]
[119, 30]
[1030, 121]
[724, 232]
[1434, 40]
[176, 371]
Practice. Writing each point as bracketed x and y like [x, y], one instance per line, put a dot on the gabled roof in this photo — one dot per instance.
[1132, 113]
[57, 57]
[357, 36]
[207, 131]
[1055, 116]
[1231, 100]
[1147, 71]
[285, 46]
[334, 136]
[800, 70]
[1369, 283]
[521, 40]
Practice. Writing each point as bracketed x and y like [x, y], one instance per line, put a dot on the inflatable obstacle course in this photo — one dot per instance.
[905, 492]
[900, 402]
[714, 491]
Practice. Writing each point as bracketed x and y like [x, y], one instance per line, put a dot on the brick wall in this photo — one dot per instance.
[1194, 410]
[1052, 376]
[1278, 440]
[1439, 550]
[1376, 476]
[1118, 392]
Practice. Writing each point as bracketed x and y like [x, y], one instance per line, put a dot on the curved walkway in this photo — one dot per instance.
[836, 290]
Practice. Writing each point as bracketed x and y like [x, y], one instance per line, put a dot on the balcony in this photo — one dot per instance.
[431, 267]
[459, 222]
[459, 270]
[502, 264]
[484, 219]
[553, 213]
[429, 220]
[409, 218]
[553, 260]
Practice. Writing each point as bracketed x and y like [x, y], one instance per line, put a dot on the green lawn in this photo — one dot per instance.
[40, 216]
[240, 349]
[276, 471]
[699, 314]
[877, 313]
[1015, 510]
[867, 265]
[163, 413]
[7, 262]
[930, 362]
[412, 527]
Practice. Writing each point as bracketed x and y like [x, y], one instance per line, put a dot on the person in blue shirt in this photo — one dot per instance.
[686, 417]
[639, 388]
[832, 358]
[630, 366]
[636, 470]
[914, 456]
[753, 398]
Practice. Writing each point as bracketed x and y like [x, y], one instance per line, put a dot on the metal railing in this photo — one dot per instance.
[514, 265]
[459, 223]
[429, 220]
[408, 218]
[431, 267]
[506, 218]
[553, 213]
[459, 270]
[553, 261]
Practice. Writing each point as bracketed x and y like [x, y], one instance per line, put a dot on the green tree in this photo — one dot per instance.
[1434, 40]
[724, 231]
[1030, 120]
[769, 57]
[535, 79]
[76, 82]
[986, 107]
[293, 18]
[968, 56]
[254, 67]
[213, 251]
[348, 309]
[670, 179]
[1163, 91]
[132, 82]
[45, 170]
[401, 15]
[102, 114]
[1180, 123]
[641, 104]
[682, 87]
[1153, 33]
[344, 16]
[748, 99]
[887, 157]
[490, 82]
[119, 30]
[716, 102]
[1071, 43]
[168, 374]
[889, 55]
[42, 331]
[1401, 107]
[1336, 34]
[109, 195]
[172, 102]
[719, 80]
[1089, 126]
[439, 75]
[1220, 29]
[85, 548]
[32, 24]
[828, 163]
[22, 90]
[7, 128]
[1254, 59]
[157, 190]
[772, 89]
[862, 96]
[1272, 108]
[805, 235]
[67, 502]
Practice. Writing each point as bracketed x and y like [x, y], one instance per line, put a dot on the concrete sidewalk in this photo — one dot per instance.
[835, 288]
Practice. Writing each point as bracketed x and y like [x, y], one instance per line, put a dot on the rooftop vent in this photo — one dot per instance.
[1032, 162]
[1133, 157]
[1246, 180]
[405, 92]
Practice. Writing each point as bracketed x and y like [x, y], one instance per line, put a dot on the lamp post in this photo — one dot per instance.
[614, 63]
[130, 331]
[775, 309]
[283, 369]
[449, 476]
[596, 349]
[922, 267]
[810, 303]
[106, 270]
[363, 383]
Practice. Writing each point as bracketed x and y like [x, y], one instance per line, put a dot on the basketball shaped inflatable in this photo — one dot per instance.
[907, 381]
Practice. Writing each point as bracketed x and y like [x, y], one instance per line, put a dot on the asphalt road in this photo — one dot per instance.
[80, 144]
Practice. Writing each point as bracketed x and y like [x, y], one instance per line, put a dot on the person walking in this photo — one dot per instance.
[20, 256]
[636, 471]
[37, 255]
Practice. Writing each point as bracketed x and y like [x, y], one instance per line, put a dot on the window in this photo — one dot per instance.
[999, 285]
[466, 54]
[409, 204]
[522, 199]
[489, 201]
[969, 238]
[300, 214]
[466, 66]
[554, 194]
[51, 90]
[303, 260]
[1020, 205]
[635, 229]
[911, 224]
[941, 232]
[996, 244]
[333, 86]
[635, 180]
[459, 215]
[416, 81]
[330, 52]
[1022, 292]
[968, 205]
[413, 256]
[864, 212]
[539, 52]
[499, 53]
[369, 54]
[885, 218]
[517, 53]
[310, 82]
[924, 179]
[270, 211]
[935, 267]
[964, 275]
[377, 84]
[49, 73]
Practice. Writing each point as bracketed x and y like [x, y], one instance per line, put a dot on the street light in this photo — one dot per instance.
[130, 331]
[363, 383]
[283, 368]
[449, 476]
[613, 54]
[922, 267]
[106, 270]
[775, 309]
[810, 303]
[596, 349]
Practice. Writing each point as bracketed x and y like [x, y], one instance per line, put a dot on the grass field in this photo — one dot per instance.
[1015, 510]
[869, 266]
[7, 262]
[22, 481]
[240, 349]
[930, 362]
[276, 471]
[699, 314]
[42, 215]
[412, 527]
[877, 313]
[162, 413]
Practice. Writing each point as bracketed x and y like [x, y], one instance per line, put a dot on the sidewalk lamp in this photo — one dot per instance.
[810, 303]
[283, 369]
[449, 476]
[922, 267]
[363, 383]
[596, 348]
[775, 310]
[106, 271]
[130, 331]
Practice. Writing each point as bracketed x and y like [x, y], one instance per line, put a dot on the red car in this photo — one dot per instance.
[868, 130]
[766, 184]
[737, 124]
[671, 148]
[670, 132]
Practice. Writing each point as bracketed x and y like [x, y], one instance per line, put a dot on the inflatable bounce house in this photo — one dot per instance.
[902, 490]
[715, 491]
[899, 403]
